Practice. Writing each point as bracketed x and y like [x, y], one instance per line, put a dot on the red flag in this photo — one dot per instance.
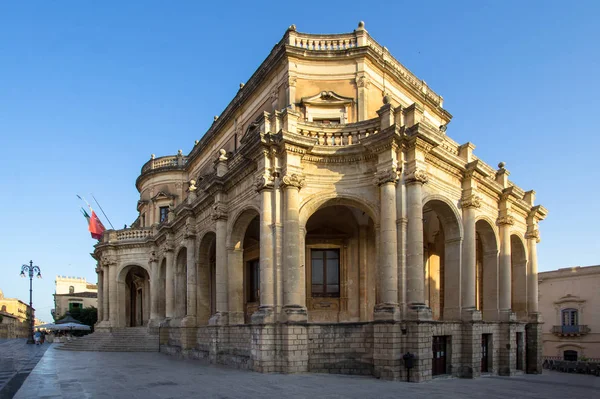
[96, 227]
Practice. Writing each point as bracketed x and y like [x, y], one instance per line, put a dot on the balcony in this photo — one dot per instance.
[570, 331]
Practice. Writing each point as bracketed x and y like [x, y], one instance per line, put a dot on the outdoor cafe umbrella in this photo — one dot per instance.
[71, 326]
[68, 319]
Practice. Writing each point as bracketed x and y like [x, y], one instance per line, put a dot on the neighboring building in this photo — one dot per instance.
[326, 222]
[15, 312]
[73, 293]
[570, 307]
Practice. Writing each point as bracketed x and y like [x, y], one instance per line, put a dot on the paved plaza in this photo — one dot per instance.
[17, 359]
[65, 374]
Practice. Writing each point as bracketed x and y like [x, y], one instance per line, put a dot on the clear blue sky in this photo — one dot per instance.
[88, 90]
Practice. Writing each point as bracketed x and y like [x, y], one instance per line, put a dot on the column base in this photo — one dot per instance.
[295, 314]
[386, 312]
[535, 318]
[470, 314]
[218, 319]
[264, 315]
[507, 315]
[188, 321]
[418, 311]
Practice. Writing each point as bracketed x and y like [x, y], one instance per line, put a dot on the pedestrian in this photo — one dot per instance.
[37, 336]
[43, 337]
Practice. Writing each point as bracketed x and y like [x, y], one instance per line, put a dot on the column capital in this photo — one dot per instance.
[470, 201]
[108, 260]
[533, 234]
[385, 176]
[263, 183]
[189, 231]
[153, 257]
[417, 175]
[505, 220]
[293, 180]
[219, 212]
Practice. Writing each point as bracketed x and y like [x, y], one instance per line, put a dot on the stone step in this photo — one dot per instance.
[135, 339]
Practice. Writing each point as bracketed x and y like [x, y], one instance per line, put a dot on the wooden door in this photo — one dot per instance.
[439, 355]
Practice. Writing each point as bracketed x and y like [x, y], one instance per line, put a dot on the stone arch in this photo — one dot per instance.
[206, 281]
[518, 273]
[133, 295]
[180, 282]
[318, 200]
[236, 270]
[487, 268]
[443, 233]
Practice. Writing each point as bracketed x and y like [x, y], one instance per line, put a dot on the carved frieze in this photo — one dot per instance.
[385, 176]
[470, 201]
[417, 176]
[293, 180]
[505, 220]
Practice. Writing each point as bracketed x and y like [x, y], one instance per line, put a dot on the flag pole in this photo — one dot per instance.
[102, 211]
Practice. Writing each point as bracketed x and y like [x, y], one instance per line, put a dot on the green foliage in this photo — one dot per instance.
[88, 316]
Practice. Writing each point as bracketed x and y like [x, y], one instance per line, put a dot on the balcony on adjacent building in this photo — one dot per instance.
[571, 331]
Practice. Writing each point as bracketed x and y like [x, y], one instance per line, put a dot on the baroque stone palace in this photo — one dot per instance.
[326, 222]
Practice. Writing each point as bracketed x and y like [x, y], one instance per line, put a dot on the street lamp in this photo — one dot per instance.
[31, 270]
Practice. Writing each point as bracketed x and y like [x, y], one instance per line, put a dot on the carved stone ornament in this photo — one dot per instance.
[471, 201]
[192, 187]
[385, 176]
[108, 260]
[222, 155]
[363, 81]
[505, 220]
[219, 212]
[153, 257]
[417, 176]
[263, 182]
[293, 180]
[533, 235]
[190, 229]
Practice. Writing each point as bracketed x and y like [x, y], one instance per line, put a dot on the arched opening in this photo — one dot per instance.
[487, 270]
[162, 280]
[441, 263]
[518, 261]
[341, 263]
[135, 291]
[206, 305]
[180, 288]
[244, 271]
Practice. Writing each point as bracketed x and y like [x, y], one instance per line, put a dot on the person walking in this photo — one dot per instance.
[37, 336]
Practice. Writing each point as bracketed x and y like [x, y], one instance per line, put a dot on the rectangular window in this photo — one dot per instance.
[143, 220]
[163, 213]
[325, 279]
[253, 279]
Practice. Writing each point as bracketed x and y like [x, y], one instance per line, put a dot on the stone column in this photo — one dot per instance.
[294, 295]
[533, 237]
[415, 277]
[192, 286]
[504, 272]
[154, 288]
[170, 283]
[220, 316]
[113, 295]
[106, 293]
[100, 293]
[267, 298]
[469, 205]
[387, 308]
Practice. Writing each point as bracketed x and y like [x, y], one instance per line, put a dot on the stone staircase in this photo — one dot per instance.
[132, 339]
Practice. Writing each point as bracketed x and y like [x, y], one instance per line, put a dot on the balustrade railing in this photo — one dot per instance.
[323, 43]
[579, 329]
[342, 135]
[133, 234]
[171, 161]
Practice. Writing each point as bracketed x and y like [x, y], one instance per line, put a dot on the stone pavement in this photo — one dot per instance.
[62, 374]
[17, 359]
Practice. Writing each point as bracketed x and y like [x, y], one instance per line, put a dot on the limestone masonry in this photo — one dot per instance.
[327, 223]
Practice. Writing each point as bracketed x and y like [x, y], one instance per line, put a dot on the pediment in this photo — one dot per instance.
[327, 98]
[162, 195]
[569, 298]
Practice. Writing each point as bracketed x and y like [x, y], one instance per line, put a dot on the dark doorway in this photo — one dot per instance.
[570, 356]
[439, 355]
[485, 349]
[519, 351]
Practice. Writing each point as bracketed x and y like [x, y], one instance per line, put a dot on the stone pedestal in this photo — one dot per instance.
[507, 350]
[294, 348]
[264, 348]
[471, 344]
[533, 344]
[418, 340]
[387, 350]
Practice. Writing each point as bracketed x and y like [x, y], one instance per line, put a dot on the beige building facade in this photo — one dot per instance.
[73, 293]
[568, 302]
[15, 315]
[326, 222]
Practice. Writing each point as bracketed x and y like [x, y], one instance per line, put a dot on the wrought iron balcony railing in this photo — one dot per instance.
[575, 330]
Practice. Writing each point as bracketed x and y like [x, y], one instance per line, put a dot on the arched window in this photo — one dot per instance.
[570, 356]
[570, 320]
[71, 289]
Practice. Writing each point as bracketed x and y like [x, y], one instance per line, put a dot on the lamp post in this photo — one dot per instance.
[31, 270]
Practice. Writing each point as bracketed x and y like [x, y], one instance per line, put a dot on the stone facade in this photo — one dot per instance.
[569, 300]
[15, 322]
[327, 222]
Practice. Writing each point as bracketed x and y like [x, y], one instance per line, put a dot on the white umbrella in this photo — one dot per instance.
[48, 326]
[72, 326]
